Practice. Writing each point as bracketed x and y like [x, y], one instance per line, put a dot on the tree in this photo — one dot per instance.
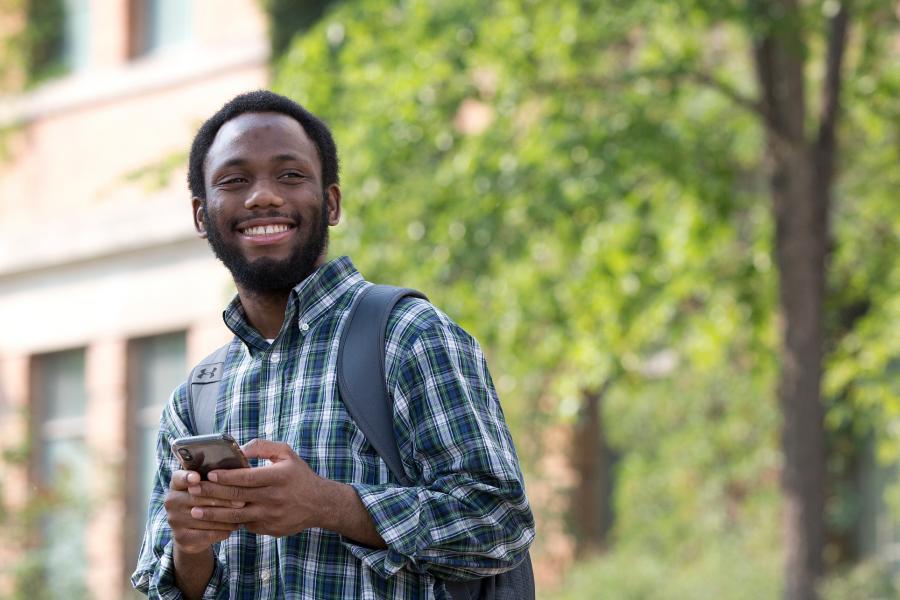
[586, 180]
[802, 168]
[468, 170]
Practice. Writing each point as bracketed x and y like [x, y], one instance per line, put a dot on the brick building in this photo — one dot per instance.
[106, 294]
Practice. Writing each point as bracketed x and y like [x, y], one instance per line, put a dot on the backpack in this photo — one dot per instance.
[362, 387]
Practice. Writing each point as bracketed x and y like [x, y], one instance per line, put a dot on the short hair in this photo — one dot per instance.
[261, 101]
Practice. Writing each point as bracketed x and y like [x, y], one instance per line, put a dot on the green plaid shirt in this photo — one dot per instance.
[467, 517]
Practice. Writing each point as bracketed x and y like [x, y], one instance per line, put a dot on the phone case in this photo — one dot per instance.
[205, 453]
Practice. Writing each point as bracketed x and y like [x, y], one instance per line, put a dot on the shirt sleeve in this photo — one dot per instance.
[468, 516]
[155, 571]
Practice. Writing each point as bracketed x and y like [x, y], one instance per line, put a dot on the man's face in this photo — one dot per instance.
[266, 214]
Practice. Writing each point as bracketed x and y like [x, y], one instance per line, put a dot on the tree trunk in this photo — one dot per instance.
[800, 244]
[801, 182]
[592, 461]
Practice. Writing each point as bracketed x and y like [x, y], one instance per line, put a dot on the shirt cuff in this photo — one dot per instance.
[395, 515]
[163, 582]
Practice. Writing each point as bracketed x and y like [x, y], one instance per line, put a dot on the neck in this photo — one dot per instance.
[265, 311]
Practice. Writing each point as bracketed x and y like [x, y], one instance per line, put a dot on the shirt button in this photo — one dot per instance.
[304, 327]
[264, 574]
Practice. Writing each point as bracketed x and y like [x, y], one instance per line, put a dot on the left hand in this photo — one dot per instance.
[282, 498]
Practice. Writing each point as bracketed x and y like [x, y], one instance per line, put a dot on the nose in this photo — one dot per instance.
[263, 196]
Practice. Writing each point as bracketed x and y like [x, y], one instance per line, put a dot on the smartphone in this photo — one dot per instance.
[205, 453]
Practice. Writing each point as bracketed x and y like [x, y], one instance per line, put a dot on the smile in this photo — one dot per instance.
[262, 230]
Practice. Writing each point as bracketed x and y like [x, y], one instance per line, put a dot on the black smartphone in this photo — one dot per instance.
[205, 453]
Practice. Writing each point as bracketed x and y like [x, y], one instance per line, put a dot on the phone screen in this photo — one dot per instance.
[205, 453]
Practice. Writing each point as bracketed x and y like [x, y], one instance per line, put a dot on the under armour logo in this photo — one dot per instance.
[208, 374]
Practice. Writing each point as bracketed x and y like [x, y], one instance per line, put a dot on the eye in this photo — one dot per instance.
[292, 175]
[234, 180]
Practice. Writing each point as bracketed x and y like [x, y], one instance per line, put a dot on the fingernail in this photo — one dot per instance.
[195, 490]
[197, 513]
[213, 476]
[193, 478]
[237, 504]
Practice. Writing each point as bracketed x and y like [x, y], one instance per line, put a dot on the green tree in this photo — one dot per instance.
[469, 171]
[584, 185]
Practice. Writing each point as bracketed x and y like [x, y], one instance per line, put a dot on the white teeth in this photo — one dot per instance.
[265, 230]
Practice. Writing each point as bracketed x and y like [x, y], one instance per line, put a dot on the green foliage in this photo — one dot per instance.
[42, 39]
[723, 573]
[288, 17]
[573, 183]
[156, 175]
[58, 507]
[730, 569]
[866, 581]
[468, 170]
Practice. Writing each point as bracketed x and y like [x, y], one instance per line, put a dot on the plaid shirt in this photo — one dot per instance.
[468, 515]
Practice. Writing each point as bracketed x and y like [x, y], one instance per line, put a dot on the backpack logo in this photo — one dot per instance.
[207, 373]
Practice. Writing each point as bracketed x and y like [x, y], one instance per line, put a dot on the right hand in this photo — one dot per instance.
[193, 536]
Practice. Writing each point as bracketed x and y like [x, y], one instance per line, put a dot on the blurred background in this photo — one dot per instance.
[673, 226]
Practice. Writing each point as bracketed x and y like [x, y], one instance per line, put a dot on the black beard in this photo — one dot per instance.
[266, 275]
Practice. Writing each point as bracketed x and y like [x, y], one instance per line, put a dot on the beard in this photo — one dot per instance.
[268, 275]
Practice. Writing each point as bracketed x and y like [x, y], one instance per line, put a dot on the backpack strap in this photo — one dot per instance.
[360, 370]
[203, 390]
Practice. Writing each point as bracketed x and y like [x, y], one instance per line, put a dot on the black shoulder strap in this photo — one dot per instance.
[360, 370]
[203, 390]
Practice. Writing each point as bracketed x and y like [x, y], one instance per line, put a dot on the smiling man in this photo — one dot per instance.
[320, 515]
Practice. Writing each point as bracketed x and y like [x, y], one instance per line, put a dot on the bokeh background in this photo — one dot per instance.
[673, 226]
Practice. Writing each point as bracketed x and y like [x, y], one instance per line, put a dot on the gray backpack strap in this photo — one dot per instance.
[360, 372]
[203, 390]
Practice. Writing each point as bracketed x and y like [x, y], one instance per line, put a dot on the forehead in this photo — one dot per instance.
[260, 137]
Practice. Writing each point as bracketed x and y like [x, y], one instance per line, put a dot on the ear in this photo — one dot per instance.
[199, 217]
[334, 204]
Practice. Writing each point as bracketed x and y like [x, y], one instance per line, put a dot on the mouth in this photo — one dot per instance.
[265, 232]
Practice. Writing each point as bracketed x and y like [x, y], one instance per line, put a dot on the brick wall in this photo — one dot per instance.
[94, 253]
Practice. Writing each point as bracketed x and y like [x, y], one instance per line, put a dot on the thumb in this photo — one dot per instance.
[273, 451]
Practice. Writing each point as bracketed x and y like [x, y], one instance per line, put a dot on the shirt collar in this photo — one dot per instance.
[308, 300]
[320, 291]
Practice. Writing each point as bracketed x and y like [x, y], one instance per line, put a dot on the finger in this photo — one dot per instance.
[200, 500]
[248, 478]
[183, 521]
[229, 493]
[225, 515]
[274, 451]
[182, 479]
[191, 523]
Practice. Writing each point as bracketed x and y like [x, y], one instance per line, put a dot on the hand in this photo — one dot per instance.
[281, 499]
[193, 536]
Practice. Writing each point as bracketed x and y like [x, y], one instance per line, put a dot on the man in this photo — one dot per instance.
[319, 515]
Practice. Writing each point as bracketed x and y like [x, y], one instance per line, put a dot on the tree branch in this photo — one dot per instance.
[751, 104]
[755, 106]
[831, 86]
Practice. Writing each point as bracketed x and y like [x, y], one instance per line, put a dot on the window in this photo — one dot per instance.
[158, 24]
[57, 39]
[158, 366]
[62, 467]
[77, 34]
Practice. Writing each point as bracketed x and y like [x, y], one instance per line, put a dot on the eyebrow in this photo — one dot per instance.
[278, 158]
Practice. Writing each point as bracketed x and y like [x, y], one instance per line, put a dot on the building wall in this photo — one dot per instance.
[97, 245]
